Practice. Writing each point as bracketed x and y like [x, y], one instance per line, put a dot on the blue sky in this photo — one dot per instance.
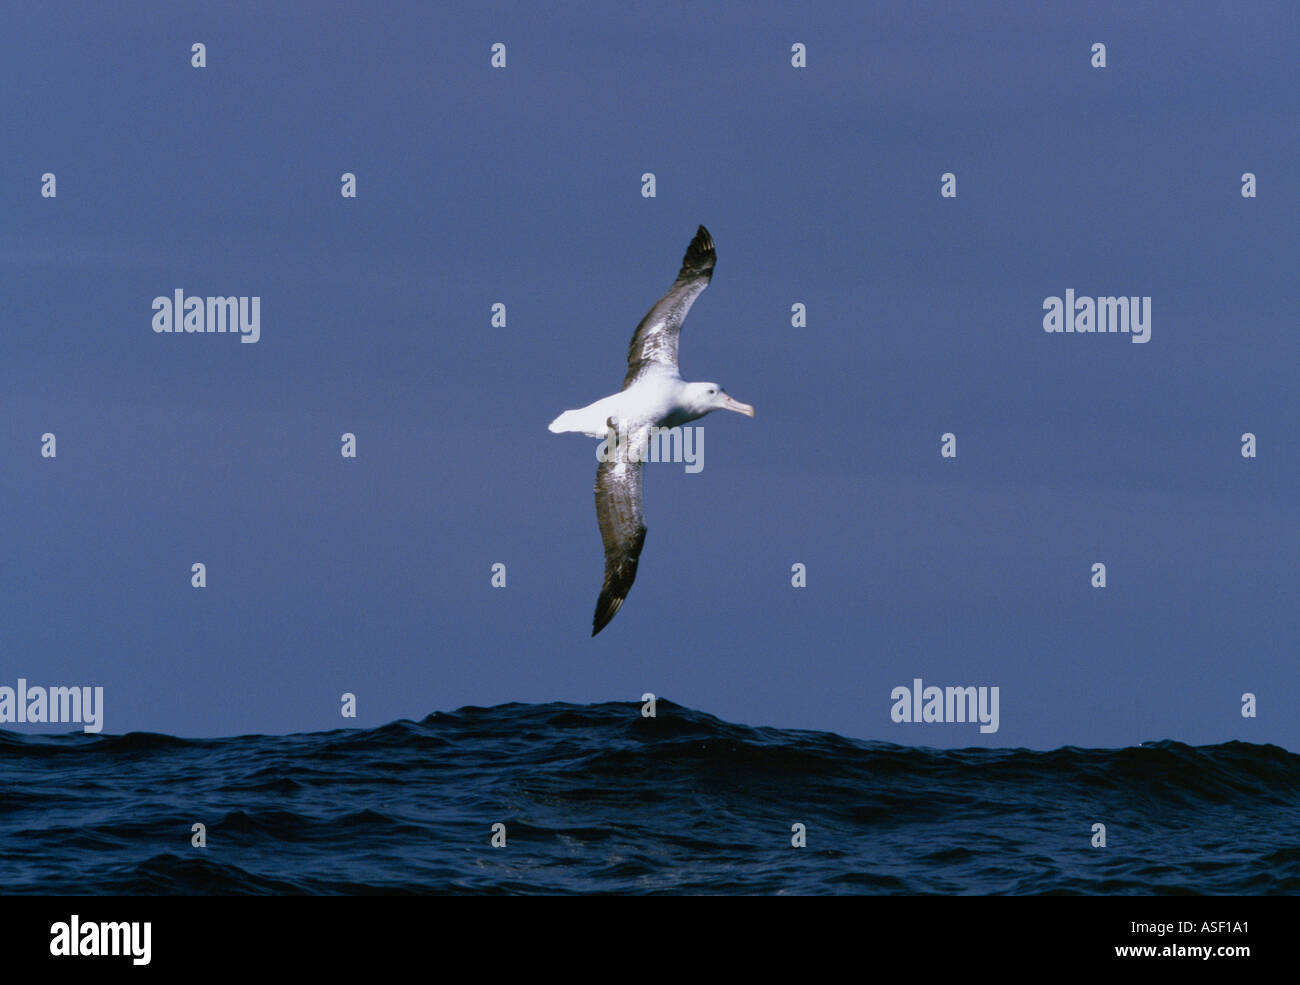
[819, 185]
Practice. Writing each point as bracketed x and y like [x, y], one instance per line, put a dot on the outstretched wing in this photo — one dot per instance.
[622, 526]
[654, 343]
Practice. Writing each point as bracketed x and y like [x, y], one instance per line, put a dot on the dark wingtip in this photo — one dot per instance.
[700, 255]
[606, 609]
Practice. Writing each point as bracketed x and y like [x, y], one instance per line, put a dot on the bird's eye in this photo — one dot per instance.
[712, 392]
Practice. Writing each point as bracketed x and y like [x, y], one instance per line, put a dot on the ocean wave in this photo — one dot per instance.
[597, 799]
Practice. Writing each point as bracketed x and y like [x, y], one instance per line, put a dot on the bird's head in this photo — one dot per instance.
[706, 397]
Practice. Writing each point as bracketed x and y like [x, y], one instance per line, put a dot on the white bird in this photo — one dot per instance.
[653, 395]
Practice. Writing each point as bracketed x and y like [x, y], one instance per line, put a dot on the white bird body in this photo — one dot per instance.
[658, 399]
[653, 395]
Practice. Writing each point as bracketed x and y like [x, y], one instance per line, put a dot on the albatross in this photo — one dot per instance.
[654, 395]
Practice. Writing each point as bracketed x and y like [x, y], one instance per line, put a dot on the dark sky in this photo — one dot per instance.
[819, 185]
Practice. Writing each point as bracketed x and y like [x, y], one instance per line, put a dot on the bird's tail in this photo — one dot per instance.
[568, 421]
[590, 421]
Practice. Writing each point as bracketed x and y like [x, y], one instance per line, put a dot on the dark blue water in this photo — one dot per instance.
[598, 799]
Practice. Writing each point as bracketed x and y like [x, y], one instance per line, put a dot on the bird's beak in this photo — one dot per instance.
[730, 403]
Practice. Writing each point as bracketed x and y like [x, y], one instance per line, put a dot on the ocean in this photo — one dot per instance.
[597, 799]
